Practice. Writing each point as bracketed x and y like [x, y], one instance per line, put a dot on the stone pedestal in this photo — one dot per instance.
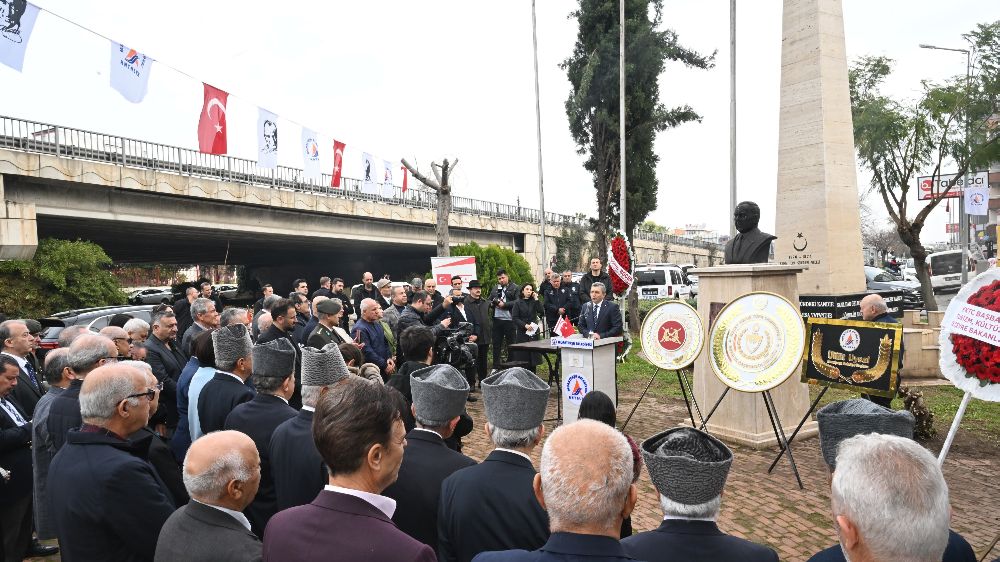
[817, 220]
[742, 417]
[18, 229]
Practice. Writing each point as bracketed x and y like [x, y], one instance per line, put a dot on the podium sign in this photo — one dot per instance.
[587, 365]
[853, 355]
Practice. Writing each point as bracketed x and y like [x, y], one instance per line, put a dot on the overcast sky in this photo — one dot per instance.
[454, 78]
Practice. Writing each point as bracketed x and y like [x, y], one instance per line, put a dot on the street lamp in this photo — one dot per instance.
[963, 220]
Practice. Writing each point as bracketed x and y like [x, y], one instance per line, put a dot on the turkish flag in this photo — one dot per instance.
[338, 162]
[564, 327]
[212, 123]
[405, 174]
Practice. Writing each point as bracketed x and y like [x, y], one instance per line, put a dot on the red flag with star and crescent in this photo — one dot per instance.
[212, 123]
[338, 163]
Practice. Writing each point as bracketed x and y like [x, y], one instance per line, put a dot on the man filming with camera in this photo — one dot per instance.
[421, 312]
[465, 358]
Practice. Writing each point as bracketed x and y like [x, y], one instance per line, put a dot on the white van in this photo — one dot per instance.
[945, 269]
[656, 281]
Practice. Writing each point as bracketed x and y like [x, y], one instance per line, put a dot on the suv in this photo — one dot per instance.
[655, 281]
[162, 295]
[93, 318]
[877, 279]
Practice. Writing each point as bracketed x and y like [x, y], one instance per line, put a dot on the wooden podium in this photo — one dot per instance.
[587, 365]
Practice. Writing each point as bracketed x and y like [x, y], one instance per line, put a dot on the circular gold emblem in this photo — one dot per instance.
[757, 342]
[672, 335]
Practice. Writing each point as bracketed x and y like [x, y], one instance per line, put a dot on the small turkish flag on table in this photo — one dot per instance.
[564, 327]
[212, 124]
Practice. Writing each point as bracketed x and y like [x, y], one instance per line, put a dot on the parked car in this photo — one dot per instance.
[909, 270]
[945, 269]
[656, 281]
[227, 291]
[93, 318]
[878, 279]
[159, 295]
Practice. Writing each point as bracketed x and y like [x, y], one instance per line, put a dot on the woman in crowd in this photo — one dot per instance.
[526, 313]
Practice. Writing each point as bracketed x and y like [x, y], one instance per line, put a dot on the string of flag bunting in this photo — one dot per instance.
[129, 76]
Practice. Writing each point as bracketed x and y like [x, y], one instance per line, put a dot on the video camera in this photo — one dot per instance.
[453, 347]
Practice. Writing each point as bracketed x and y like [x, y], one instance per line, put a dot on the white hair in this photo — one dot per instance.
[310, 395]
[707, 510]
[200, 306]
[585, 485]
[367, 305]
[136, 325]
[211, 483]
[231, 316]
[99, 398]
[264, 321]
[513, 438]
[141, 365]
[893, 490]
[87, 350]
[599, 285]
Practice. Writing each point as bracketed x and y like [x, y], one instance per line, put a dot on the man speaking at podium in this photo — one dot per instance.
[600, 318]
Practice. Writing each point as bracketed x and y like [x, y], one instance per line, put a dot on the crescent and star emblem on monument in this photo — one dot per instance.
[799, 239]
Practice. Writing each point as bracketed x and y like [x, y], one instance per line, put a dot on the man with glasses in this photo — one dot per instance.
[87, 353]
[114, 504]
[122, 341]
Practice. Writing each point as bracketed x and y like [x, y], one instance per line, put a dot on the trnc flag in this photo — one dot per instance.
[387, 189]
[405, 174]
[368, 174]
[564, 327]
[129, 72]
[17, 19]
[212, 123]
[267, 139]
[310, 155]
[338, 162]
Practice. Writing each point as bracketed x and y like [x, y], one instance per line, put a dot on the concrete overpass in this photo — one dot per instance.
[151, 203]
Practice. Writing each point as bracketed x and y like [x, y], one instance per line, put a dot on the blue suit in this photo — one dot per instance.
[564, 547]
[958, 550]
[678, 539]
[607, 323]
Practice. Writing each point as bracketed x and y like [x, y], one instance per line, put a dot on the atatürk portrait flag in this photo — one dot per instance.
[212, 123]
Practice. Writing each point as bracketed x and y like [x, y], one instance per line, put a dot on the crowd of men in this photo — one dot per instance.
[287, 434]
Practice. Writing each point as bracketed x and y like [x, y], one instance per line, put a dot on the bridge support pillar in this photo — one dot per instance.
[18, 229]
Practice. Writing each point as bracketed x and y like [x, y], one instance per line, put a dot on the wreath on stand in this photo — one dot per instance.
[973, 363]
[621, 270]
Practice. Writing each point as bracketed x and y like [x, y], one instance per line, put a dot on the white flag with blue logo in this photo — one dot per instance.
[369, 175]
[17, 19]
[387, 189]
[129, 72]
[310, 156]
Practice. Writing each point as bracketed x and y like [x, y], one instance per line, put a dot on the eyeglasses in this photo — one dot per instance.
[149, 394]
[129, 340]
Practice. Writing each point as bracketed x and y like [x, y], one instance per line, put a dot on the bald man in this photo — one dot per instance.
[118, 514]
[587, 492]
[874, 309]
[222, 473]
[122, 341]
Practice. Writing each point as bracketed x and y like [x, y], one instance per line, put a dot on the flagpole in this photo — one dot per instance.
[538, 132]
[621, 114]
[732, 113]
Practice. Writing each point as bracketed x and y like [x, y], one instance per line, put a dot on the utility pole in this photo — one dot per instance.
[538, 132]
[732, 113]
[621, 114]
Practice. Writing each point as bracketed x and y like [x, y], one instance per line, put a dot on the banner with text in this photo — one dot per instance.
[853, 355]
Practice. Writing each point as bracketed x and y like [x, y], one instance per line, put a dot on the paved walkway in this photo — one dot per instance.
[770, 508]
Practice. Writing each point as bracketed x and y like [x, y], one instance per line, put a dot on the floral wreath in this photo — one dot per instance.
[621, 264]
[971, 364]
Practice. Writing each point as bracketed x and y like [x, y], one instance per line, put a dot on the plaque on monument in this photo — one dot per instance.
[756, 342]
[751, 245]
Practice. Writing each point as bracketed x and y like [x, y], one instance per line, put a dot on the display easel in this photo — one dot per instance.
[784, 445]
[686, 387]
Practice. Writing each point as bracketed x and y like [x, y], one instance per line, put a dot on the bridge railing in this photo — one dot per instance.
[44, 138]
[36, 137]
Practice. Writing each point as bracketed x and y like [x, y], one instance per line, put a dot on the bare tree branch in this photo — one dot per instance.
[420, 177]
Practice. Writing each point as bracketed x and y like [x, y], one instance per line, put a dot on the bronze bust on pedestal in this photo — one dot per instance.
[750, 245]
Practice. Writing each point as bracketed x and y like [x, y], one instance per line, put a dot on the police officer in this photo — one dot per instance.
[559, 301]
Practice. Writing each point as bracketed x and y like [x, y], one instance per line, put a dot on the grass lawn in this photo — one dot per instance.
[981, 418]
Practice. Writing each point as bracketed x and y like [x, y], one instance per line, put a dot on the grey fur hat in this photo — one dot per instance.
[231, 343]
[515, 399]
[322, 367]
[275, 358]
[439, 392]
[686, 465]
[845, 419]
